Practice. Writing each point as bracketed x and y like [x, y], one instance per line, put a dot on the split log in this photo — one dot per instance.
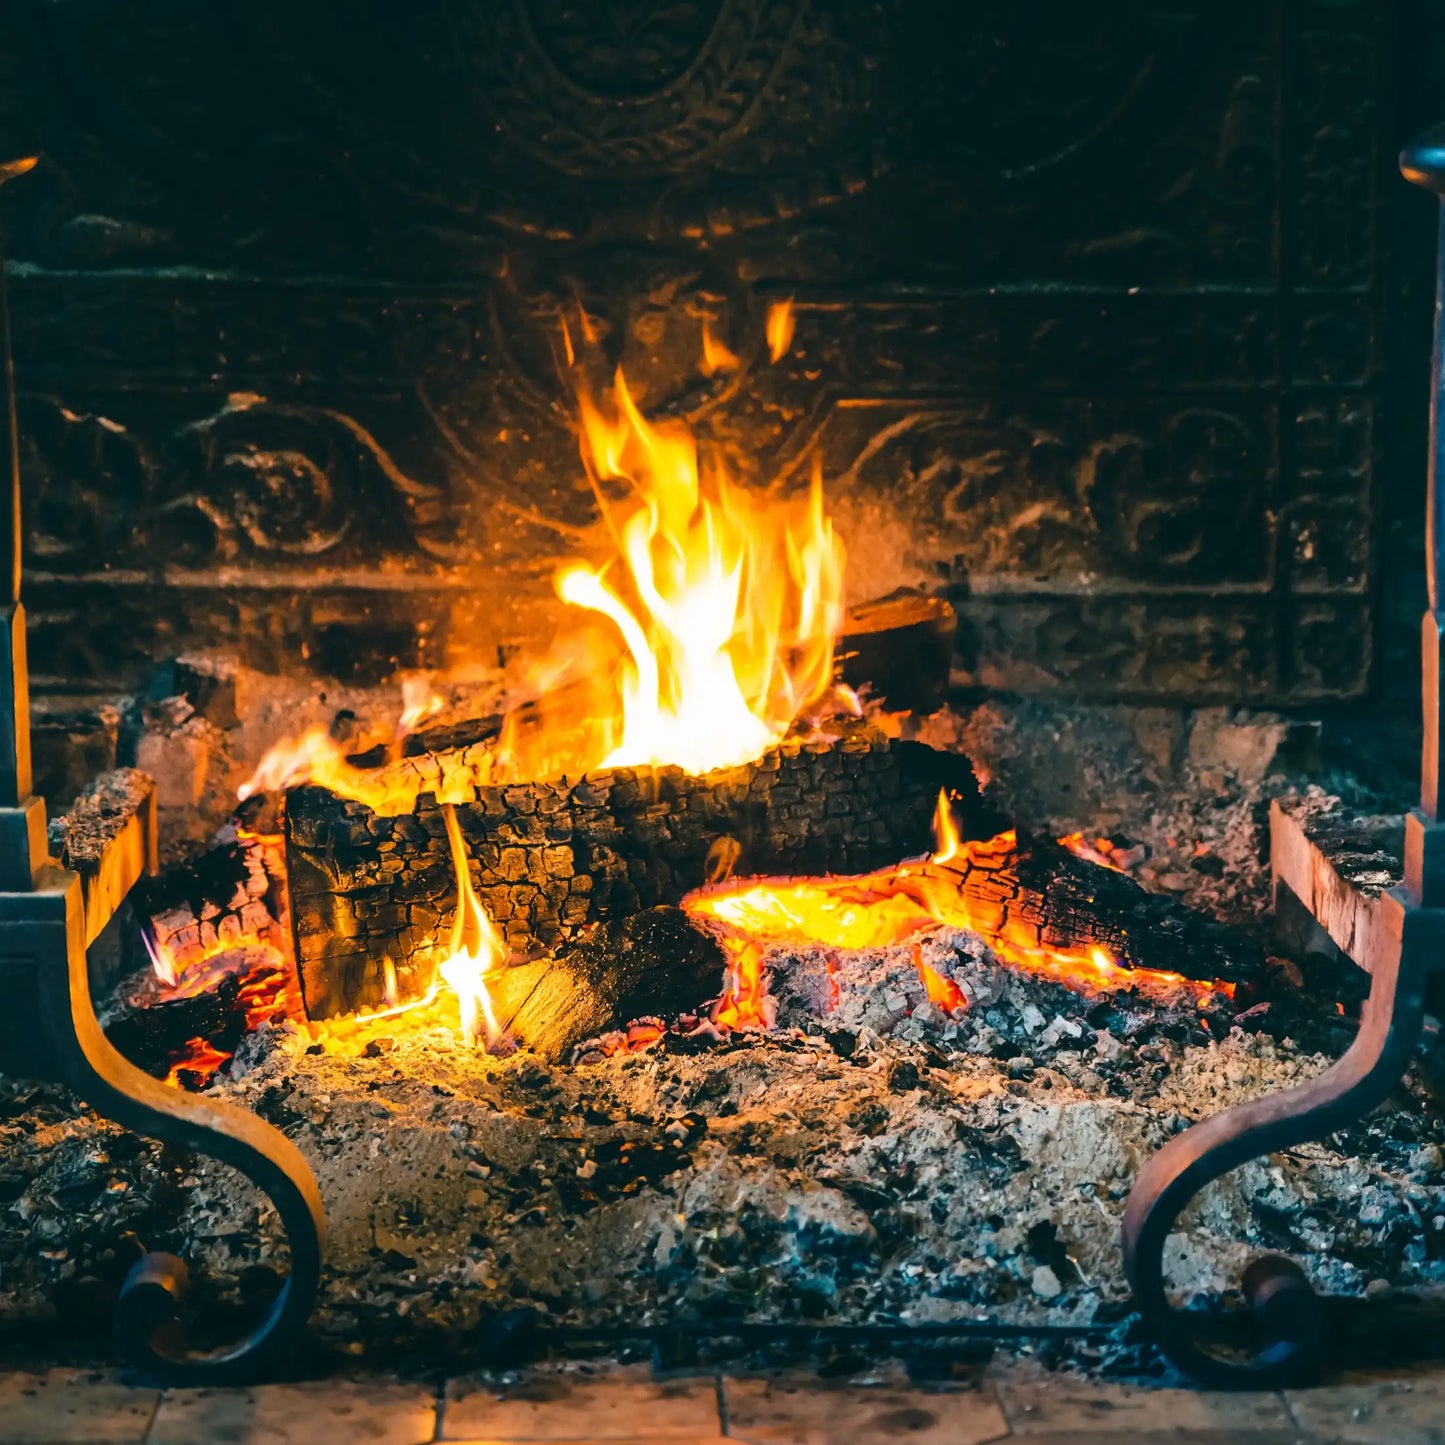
[231, 895]
[373, 895]
[1037, 894]
[900, 648]
[656, 963]
[1032, 897]
[1057, 900]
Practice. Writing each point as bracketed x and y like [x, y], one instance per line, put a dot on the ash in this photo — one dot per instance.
[872, 1159]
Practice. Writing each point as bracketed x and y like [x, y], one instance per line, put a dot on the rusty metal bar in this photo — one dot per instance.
[1406, 959]
[48, 1028]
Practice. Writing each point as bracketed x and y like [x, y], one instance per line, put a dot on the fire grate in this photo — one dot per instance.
[1399, 944]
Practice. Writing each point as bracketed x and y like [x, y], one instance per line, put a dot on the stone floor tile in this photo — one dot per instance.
[785, 1412]
[1062, 1406]
[1398, 1412]
[619, 1407]
[65, 1406]
[357, 1412]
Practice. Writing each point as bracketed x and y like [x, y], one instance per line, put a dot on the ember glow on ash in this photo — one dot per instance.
[892, 906]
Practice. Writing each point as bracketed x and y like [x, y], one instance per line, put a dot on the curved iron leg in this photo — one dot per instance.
[83, 1059]
[1390, 1027]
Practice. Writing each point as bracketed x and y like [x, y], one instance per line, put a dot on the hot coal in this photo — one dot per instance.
[155, 1038]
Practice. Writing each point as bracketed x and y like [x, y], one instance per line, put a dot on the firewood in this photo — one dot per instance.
[373, 896]
[900, 647]
[654, 963]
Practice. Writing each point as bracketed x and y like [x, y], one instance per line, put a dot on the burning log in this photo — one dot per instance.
[232, 895]
[372, 896]
[1039, 907]
[655, 963]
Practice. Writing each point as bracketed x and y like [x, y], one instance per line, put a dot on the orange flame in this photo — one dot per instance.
[716, 355]
[781, 324]
[727, 605]
[724, 604]
[475, 948]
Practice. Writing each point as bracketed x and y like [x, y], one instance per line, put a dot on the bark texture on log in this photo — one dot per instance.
[551, 859]
[1044, 894]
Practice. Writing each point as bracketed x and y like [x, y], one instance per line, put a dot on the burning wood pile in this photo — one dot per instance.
[694, 733]
[695, 957]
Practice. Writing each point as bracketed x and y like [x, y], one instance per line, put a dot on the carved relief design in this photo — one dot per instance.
[254, 481]
[1064, 490]
[624, 86]
[964, 203]
[1172, 508]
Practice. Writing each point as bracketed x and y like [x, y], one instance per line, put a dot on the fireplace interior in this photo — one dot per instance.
[727, 657]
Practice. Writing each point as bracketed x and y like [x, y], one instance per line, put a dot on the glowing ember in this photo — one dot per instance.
[1103, 851]
[266, 992]
[874, 910]
[475, 948]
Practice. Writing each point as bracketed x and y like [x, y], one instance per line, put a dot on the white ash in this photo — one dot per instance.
[881, 992]
[771, 1179]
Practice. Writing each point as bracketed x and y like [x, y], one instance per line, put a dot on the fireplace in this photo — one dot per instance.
[664, 637]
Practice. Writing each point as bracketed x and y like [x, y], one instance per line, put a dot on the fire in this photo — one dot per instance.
[874, 910]
[947, 842]
[727, 604]
[781, 323]
[475, 948]
[721, 604]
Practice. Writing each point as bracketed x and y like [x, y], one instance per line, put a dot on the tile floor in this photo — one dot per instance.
[70, 1407]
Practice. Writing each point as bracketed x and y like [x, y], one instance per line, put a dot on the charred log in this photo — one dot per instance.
[656, 963]
[372, 895]
[154, 1038]
[900, 648]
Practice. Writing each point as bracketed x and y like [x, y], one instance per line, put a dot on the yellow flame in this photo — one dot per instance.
[947, 843]
[781, 323]
[727, 604]
[475, 948]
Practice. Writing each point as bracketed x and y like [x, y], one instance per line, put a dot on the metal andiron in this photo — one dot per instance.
[48, 1029]
[1404, 955]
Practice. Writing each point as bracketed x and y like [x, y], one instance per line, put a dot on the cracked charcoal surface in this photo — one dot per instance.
[550, 859]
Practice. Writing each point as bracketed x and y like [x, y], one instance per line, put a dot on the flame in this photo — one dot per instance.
[892, 906]
[718, 611]
[727, 605]
[716, 355]
[476, 947]
[947, 844]
[781, 324]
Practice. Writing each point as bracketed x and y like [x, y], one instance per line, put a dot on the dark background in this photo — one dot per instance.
[1113, 321]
